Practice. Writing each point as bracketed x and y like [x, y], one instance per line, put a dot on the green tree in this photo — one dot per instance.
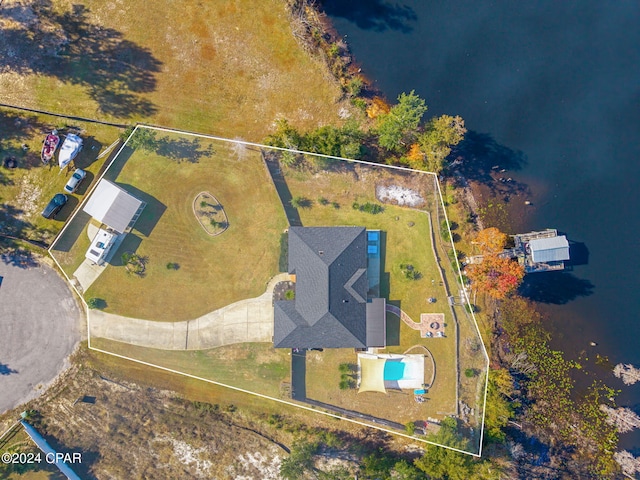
[285, 136]
[439, 136]
[498, 409]
[398, 128]
[144, 139]
[299, 460]
[403, 470]
[377, 465]
[441, 463]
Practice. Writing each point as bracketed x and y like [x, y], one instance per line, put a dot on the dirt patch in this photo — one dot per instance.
[126, 430]
[398, 195]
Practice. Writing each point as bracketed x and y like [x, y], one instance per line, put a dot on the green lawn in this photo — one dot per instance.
[257, 367]
[213, 271]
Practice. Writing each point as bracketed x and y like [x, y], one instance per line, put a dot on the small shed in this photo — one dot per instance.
[553, 249]
[114, 206]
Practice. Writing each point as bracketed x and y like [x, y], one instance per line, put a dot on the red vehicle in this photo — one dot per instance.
[49, 146]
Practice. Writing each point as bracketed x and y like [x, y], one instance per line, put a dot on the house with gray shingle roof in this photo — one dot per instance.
[332, 308]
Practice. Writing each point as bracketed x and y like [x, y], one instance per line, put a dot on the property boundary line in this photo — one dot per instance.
[61, 115]
[260, 395]
[285, 402]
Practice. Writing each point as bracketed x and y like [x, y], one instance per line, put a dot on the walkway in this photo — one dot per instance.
[424, 326]
[245, 321]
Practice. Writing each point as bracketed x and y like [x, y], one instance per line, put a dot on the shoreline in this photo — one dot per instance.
[510, 209]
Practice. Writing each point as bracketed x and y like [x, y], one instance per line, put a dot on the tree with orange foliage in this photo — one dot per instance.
[378, 107]
[490, 240]
[496, 276]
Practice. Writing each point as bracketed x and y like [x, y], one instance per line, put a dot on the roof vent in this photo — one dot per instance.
[321, 252]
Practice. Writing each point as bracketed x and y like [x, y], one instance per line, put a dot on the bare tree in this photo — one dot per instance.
[624, 419]
[627, 372]
[629, 464]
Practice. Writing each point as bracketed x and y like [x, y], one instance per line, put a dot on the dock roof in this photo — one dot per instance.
[553, 249]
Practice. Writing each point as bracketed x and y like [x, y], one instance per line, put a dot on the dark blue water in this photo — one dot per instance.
[560, 82]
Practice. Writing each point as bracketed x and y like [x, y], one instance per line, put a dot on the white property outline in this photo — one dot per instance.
[260, 395]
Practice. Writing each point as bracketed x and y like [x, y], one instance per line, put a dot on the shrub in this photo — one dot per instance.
[173, 266]
[335, 205]
[323, 201]
[359, 103]
[290, 294]
[345, 384]
[410, 272]
[354, 86]
[300, 202]
[355, 206]
[372, 208]
[410, 428]
[334, 50]
[470, 372]
[96, 303]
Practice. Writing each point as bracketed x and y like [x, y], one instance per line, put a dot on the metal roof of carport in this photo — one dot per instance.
[113, 206]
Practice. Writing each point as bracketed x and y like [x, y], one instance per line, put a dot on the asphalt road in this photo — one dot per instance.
[40, 325]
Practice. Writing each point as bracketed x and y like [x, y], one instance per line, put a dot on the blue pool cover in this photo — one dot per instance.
[393, 370]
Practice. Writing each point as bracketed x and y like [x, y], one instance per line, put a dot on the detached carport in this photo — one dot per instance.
[117, 211]
[114, 207]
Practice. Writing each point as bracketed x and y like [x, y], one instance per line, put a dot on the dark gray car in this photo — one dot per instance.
[55, 205]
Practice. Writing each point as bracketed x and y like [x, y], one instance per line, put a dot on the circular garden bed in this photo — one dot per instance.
[210, 214]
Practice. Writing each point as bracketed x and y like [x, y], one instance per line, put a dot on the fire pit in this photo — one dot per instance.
[10, 162]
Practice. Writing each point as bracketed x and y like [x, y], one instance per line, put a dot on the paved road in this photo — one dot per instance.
[40, 324]
[249, 320]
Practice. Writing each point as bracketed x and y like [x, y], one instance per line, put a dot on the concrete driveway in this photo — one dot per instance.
[40, 324]
[249, 320]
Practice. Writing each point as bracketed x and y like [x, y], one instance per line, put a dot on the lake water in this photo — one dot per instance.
[560, 83]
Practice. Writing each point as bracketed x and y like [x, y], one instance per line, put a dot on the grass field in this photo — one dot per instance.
[257, 367]
[213, 271]
[229, 68]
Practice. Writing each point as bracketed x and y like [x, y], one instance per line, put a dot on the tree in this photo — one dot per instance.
[498, 410]
[378, 107]
[490, 240]
[299, 460]
[496, 276]
[442, 463]
[623, 418]
[403, 470]
[439, 136]
[285, 136]
[398, 128]
[628, 373]
[144, 139]
[629, 464]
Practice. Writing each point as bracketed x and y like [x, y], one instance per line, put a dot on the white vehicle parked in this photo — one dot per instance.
[75, 180]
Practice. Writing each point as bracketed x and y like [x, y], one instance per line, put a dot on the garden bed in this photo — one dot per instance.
[210, 214]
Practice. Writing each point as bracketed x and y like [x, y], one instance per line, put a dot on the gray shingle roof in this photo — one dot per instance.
[329, 311]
